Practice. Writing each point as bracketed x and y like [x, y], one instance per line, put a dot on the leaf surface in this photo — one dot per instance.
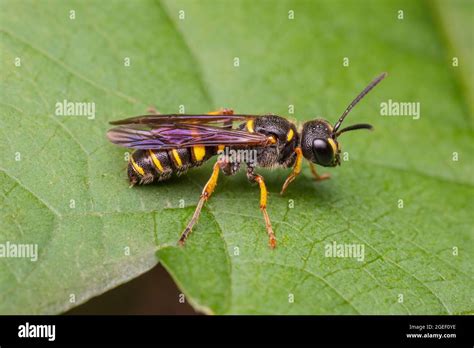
[399, 194]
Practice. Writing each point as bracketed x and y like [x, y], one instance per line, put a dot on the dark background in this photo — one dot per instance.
[154, 292]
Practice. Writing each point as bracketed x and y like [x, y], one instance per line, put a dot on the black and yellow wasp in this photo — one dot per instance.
[173, 143]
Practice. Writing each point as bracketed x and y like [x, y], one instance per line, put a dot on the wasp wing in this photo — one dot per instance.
[183, 118]
[178, 135]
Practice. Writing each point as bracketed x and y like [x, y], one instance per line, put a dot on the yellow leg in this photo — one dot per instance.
[223, 111]
[296, 170]
[206, 193]
[152, 110]
[263, 205]
[316, 176]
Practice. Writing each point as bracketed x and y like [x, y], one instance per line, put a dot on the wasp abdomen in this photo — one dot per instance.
[147, 166]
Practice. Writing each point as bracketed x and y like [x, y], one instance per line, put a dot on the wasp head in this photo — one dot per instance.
[318, 145]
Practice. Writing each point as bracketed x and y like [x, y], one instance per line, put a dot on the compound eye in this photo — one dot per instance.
[323, 152]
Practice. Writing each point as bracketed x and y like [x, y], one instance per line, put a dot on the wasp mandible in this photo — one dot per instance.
[173, 143]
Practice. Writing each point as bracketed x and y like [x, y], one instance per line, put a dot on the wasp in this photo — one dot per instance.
[174, 143]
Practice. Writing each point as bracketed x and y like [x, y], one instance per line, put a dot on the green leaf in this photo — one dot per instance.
[400, 194]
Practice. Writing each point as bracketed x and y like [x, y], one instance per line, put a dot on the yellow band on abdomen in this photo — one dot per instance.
[156, 161]
[137, 168]
[176, 157]
[199, 152]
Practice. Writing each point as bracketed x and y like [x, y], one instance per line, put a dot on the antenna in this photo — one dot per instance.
[357, 99]
[354, 127]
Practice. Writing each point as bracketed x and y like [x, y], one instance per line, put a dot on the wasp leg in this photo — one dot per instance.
[263, 205]
[222, 111]
[316, 176]
[152, 110]
[295, 172]
[206, 193]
